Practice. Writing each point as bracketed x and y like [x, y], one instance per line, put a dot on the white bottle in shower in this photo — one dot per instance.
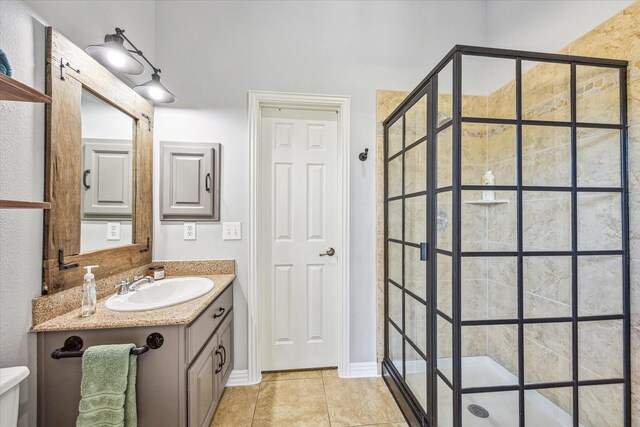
[488, 179]
[89, 292]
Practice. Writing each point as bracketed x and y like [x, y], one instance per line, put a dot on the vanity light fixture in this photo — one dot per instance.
[115, 56]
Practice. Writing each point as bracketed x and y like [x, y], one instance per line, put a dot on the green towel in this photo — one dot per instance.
[108, 387]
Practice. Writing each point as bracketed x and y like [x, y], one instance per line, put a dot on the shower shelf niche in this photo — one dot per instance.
[486, 202]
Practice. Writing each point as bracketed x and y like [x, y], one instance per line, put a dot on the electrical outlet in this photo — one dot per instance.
[189, 231]
[113, 231]
[231, 231]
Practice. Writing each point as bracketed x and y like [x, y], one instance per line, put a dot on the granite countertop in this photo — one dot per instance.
[106, 319]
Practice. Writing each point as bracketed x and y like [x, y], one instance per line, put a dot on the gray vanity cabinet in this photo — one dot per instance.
[178, 384]
[208, 375]
[107, 180]
[190, 181]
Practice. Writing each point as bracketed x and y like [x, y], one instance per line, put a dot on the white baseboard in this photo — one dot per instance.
[238, 377]
[363, 369]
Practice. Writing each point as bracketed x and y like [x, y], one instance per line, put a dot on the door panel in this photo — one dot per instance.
[299, 169]
[107, 184]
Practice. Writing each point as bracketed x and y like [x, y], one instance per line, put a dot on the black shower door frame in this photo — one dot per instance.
[429, 86]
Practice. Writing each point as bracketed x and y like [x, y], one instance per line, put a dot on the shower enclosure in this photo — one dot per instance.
[506, 243]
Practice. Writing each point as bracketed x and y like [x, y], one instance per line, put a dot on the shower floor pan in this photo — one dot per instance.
[501, 407]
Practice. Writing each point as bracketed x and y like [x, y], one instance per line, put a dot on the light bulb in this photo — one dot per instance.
[155, 93]
[117, 59]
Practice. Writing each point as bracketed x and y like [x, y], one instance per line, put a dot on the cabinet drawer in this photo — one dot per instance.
[200, 331]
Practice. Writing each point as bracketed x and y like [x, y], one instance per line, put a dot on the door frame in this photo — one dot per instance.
[340, 104]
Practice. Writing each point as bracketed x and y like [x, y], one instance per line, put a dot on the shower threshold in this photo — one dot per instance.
[501, 407]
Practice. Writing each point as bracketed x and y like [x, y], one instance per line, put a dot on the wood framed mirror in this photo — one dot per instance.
[93, 179]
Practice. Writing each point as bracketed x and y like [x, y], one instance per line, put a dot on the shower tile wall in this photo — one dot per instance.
[546, 161]
[489, 284]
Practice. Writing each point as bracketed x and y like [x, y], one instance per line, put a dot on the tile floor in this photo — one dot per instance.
[309, 398]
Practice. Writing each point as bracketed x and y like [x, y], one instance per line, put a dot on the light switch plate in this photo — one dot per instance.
[113, 231]
[231, 231]
[189, 231]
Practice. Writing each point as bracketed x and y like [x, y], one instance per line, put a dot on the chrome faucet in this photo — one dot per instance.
[125, 286]
[137, 281]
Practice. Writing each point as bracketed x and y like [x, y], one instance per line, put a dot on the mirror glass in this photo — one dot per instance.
[107, 175]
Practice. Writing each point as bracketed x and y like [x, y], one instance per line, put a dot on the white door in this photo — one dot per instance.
[300, 222]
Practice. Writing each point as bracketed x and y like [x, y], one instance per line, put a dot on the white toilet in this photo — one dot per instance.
[10, 379]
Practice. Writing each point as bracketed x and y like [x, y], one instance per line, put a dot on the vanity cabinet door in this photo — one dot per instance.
[189, 181]
[106, 179]
[203, 384]
[225, 344]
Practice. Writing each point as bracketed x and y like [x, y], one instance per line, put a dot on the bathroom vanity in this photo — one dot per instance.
[178, 384]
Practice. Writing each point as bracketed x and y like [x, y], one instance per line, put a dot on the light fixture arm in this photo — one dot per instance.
[137, 51]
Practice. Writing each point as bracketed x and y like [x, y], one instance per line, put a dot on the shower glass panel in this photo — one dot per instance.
[506, 233]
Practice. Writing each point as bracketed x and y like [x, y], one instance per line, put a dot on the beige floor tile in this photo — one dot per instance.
[360, 401]
[291, 403]
[382, 425]
[291, 375]
[329, 372]
[236, 407]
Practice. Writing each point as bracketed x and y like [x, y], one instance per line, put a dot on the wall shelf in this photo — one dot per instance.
[13, 90]
[486, 202]
[23, 204]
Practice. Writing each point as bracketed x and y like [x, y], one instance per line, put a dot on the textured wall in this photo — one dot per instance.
[21, 177]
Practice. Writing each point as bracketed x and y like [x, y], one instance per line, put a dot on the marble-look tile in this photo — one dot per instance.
[546, 221]
[598, 153]
[330, 372]
[635, 293]
[634, 156]
[602, 405]
[548, 277]
[633, 102]
[599, 221]
[374, 403]
[634, 224]
[292, 403]
[502, 346]
[502, 221]
[616, 38]
[236, 407]
[600, 349]
[416, 121]
[541, 84]
[474, 340]
[291, 375]
[554, 336]
[544, 365]
[600, 285]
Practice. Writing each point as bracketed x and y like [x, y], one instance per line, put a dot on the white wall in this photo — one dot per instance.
[217, 51]
[21, 177]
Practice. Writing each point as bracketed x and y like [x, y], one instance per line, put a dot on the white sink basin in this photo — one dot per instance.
[162, 293]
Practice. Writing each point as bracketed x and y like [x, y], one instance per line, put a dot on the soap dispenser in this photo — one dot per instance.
[89, 292]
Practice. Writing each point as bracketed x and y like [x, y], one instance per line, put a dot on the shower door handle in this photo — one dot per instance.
[424, 255]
